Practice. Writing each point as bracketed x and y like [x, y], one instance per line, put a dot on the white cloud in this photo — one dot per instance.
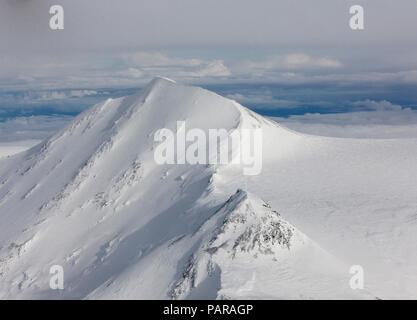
[52, 95]
[157, 59]
[377, 105]
[263, 71]
[214, 69]
[296, 61]
[387, 120]
[150, 64]
[132, 73]
[31, 128]
[211, 69]
[305, 61]
[135, 69]
[82, 93]
[262, 97]
[39, 96]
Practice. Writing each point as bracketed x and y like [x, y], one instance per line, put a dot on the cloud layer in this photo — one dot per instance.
[31, 128]
[107, 45]
[383, 120]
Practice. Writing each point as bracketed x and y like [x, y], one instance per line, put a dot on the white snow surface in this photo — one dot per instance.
[93, 200]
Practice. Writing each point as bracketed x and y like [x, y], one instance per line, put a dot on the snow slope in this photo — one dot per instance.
[93, 200]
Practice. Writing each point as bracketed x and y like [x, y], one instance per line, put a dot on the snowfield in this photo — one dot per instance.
[93, 200]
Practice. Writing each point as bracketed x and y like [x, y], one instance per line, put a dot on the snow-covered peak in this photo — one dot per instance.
[98, 179]
[93, 200]
[247, 242]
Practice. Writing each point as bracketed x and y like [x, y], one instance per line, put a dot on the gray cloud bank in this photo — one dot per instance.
[97, 24]
[125, 43]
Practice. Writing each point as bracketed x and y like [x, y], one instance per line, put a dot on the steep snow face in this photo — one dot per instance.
[93, 200]
[253, 253]
[92, 197]
[244, 250]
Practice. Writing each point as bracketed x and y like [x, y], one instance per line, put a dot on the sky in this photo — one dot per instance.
[125, 43]
[281, 58]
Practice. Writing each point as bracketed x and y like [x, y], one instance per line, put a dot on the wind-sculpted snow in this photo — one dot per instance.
[93, 200]
[244, 229]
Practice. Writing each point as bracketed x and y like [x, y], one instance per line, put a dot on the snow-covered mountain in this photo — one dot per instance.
[93, 200]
